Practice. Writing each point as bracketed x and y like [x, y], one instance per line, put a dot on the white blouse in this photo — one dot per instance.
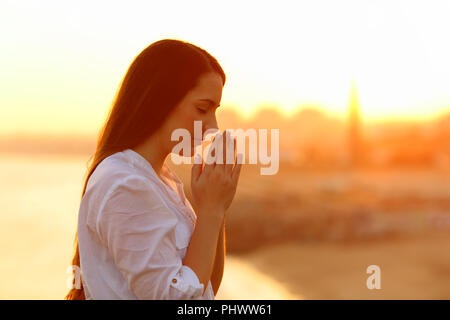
[133, 232]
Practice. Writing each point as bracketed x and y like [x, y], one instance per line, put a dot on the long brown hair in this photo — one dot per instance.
[155, 82]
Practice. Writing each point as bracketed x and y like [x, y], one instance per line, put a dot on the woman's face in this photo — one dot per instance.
[200, 104]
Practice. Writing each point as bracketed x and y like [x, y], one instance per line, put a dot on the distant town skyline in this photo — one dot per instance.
[61, 64]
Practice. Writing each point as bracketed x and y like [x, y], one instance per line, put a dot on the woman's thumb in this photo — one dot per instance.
[197, 167]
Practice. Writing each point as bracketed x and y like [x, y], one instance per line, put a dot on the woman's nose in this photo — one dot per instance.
[211, 126]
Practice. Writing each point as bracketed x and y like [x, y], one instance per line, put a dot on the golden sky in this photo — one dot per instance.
[61, 62]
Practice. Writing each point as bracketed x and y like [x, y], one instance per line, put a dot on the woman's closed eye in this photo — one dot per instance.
[201, 110]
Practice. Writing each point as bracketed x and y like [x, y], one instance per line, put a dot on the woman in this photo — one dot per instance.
[138, 236]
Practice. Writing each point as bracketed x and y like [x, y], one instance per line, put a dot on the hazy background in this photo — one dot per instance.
[359, 90]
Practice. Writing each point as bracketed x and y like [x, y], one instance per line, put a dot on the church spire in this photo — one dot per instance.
[354, 127]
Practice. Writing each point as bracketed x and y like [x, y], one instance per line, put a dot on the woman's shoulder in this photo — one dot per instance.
[114, 171]
[114, 184]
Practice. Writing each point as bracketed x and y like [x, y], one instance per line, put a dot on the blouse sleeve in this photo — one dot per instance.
[139, 231]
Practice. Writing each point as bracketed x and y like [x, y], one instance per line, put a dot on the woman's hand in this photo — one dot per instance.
[214, 185]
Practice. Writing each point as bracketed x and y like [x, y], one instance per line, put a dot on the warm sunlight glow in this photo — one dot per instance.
[340, 109]
[61, 64]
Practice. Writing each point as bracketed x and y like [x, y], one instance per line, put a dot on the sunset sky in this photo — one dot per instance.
[61, 63]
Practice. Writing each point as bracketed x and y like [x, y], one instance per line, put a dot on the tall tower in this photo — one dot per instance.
[354, 127]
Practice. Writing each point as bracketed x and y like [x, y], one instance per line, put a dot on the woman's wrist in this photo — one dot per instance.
[213, 215]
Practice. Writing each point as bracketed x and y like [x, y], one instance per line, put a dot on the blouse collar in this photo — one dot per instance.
[138, 161]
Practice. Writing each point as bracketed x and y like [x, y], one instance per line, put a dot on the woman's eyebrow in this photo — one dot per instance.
[211, 102]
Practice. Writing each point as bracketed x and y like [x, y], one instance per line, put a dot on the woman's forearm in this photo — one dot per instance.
[217, 274]
[201, 253]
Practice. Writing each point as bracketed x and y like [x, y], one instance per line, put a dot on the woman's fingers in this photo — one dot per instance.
[197, 167]
[237, 168]
[219, 150]
[229, 150]
[210, 162]
[230, 156]
[224, 147]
